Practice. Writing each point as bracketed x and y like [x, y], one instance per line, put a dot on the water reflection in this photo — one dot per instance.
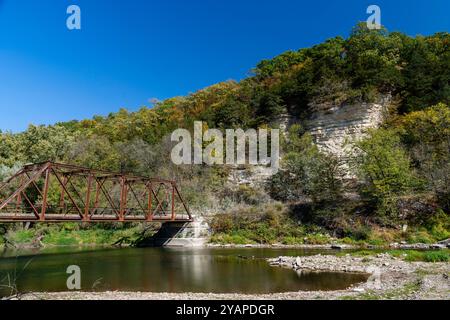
[170, 270]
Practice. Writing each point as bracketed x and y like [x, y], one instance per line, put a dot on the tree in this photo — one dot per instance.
[95, 152]
[9, 146]
[43, 143]
[426, 72]
[307, 171]
[426, 133]
[385, 169]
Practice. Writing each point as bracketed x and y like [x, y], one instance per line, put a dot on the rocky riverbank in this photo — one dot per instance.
[401, 246]
[390, 278]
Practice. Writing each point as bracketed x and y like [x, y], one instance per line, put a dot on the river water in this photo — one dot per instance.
[218, 270]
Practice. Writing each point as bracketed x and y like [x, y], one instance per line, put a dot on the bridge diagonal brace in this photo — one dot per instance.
[68, 194]
[4, 184]
[23, 186]
[35, 185]
[137, 199]
[77, 193]
[108, 198]
[35, 211]
[62, 197]
[159, 203]
[182, 201]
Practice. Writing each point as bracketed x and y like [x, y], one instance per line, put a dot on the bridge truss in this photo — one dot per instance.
[55, 192]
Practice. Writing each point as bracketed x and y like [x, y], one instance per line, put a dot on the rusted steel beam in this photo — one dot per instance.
[35, 185]
[130, 188]
[173, 202]
[19, 196]
[123, 198]
[88, 199]
[96, 172]
[97, 194]
[35, 211]
[68, 194]
[22, 187]
[141, 198]
[108, 198]
[149, 202]
[44, 196]
[182, 201]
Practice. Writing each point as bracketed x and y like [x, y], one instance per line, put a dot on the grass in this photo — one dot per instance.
[409, 255]
[23, 236]
[73, 234]
[426, 256]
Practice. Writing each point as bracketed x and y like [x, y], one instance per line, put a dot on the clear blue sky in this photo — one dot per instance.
[130, 51]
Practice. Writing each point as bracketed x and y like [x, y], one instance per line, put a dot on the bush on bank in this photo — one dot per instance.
[278, 223]
[74, 234]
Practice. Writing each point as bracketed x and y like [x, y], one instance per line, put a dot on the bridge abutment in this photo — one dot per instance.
[182, 234]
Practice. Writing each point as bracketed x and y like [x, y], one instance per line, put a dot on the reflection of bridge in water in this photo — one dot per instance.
[54, 192]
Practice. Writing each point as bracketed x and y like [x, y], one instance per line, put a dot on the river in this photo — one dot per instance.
[217, 270]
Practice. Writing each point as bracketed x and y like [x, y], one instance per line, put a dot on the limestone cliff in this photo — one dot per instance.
[330, 128]
[333, 127]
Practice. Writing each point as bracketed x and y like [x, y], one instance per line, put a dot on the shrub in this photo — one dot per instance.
[21, 236]
[420, 236]
[233, 239]
[289, 240]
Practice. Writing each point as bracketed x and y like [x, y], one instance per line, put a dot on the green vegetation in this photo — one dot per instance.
[427, 256]
[307, 171]
[403, 171]
[276, 223]
[73, 234]
[386, 169]
[403, 167]
[410, 255]
[264, 224]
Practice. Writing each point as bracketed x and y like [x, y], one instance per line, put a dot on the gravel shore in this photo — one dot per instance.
[390, 278]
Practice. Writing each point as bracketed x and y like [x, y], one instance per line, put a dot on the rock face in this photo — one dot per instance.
[257, 175]
[250, 175]
[332, 128]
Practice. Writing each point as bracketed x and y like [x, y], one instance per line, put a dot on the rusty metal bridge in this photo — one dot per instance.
[55, 192]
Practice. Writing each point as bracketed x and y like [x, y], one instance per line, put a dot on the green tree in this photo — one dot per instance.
[385, 169]
[43, 143]
[426, 133]
[307, 171]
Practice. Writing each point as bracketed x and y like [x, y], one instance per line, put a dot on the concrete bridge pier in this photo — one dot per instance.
[182, 234]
